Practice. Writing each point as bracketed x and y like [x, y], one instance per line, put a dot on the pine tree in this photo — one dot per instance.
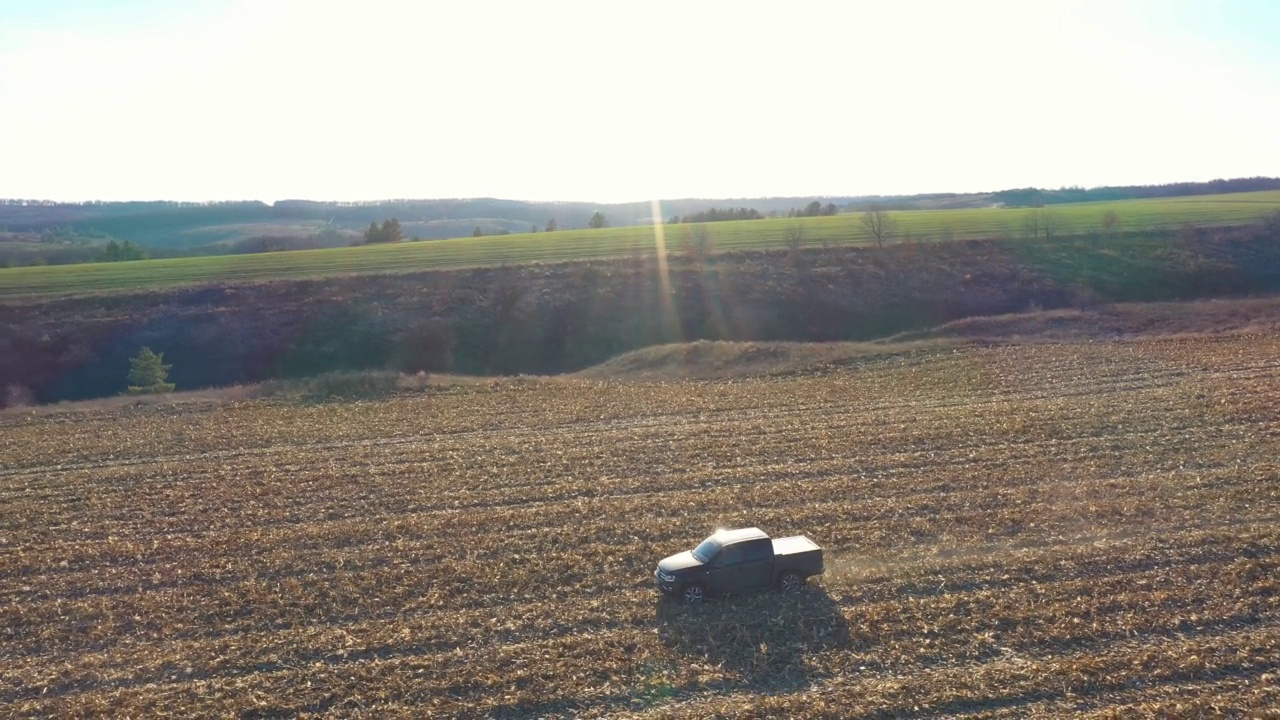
[148, 372]
[391, 231]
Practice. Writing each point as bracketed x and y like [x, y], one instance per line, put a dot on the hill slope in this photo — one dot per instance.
[548, 319]
[1132, 219]
[1118, 322]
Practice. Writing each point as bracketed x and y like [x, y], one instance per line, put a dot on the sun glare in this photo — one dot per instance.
[664, 277]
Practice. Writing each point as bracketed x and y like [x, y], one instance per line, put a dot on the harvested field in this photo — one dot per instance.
[1079, 529]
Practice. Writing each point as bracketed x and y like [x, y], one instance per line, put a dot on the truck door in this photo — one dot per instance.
[756, 567]
[725, 576]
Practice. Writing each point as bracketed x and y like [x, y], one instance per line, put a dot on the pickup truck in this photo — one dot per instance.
[735, 560]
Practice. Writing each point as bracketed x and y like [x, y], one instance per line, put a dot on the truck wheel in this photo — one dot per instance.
[790, 582]
[692, 594]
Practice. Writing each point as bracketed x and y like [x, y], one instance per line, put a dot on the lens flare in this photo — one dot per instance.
[664, 278]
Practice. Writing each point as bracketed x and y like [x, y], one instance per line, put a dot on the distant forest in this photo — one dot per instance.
[36, 232]
[1035, 197]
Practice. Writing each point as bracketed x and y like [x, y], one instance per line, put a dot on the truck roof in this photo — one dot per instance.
[729, 537]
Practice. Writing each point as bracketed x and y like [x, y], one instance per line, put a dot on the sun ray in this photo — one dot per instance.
[670, 321]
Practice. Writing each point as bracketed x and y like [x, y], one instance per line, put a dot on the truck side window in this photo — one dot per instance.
[731, 555]
[757, 550]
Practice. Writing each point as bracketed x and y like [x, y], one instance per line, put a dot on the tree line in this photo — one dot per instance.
[813, 209]
[1038, 197]
[717, 215]
[387, 232]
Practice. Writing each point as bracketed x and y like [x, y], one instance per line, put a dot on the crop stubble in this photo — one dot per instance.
[1056, 529]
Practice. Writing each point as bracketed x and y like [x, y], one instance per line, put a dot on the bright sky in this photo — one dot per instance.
[613, 101]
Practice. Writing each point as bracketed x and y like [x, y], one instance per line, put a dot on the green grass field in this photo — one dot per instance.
[1133, 215]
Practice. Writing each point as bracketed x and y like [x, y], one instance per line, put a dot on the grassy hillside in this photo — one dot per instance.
[1085, 531]
[563, 317]
[1131, 216]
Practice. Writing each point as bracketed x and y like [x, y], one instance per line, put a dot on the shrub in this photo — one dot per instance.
[151, 389]
[367, 385]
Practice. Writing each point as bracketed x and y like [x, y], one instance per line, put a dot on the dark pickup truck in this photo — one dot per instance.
[736, 560]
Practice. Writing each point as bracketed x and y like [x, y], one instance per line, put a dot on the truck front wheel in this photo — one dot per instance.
[790, 582]
[692, 594]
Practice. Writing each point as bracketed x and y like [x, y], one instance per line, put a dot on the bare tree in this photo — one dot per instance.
[504, 299]
[879, 224]
[1031, 224]
[505, 296]
[794, 238]
[1042, 223]
[1110, 223]
[1052, 224]
[698, 244]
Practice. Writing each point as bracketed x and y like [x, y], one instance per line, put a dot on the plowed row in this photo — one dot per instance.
[1049, 529]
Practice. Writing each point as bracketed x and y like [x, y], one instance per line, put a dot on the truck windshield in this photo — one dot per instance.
[707, 550]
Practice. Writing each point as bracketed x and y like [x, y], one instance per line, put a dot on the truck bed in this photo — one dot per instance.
[793, 545]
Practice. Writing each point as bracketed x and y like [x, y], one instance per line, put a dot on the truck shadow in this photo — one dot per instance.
[759, 641]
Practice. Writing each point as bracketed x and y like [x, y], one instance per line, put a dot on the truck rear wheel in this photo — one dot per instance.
[692, 594]
[790, 582]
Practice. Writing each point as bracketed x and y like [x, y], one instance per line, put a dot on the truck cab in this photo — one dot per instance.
[733, 561]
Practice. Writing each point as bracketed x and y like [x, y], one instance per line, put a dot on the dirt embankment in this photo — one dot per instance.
[548, 319]
[1106, 323]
